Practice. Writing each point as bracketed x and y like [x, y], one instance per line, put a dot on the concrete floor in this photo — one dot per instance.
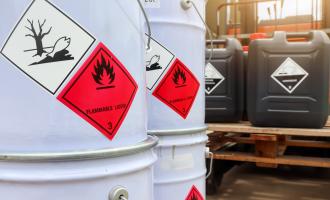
[247, 182]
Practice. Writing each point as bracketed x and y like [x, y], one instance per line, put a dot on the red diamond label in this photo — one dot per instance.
[194, 194]
[101, 92]
[178, 89]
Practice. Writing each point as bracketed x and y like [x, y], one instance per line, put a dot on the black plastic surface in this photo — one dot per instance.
[269, 104]
[225, 103]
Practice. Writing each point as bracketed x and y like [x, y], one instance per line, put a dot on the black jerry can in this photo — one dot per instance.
[224, 83]
[288, 82]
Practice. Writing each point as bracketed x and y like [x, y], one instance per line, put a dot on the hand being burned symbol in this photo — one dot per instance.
[104, 74]
[179, 78]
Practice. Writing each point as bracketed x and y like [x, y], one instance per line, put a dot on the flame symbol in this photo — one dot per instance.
[104, 73]
[179, 77]
[193, 197]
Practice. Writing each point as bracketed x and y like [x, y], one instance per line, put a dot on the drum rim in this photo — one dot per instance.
[177, 131]
[149, 143]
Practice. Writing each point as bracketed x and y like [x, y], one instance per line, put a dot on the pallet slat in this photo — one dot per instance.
[282, 160]
[247, 128]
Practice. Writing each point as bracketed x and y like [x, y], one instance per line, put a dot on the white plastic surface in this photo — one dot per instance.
[78, 180]
[32, 120]
[183, 33]
[180, 166]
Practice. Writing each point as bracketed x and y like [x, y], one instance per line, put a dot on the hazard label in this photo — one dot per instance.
[158, 59]
[101, 92]
[178, 89]
[289, 75]
[213, 78]
[194, 194]
[46, 44]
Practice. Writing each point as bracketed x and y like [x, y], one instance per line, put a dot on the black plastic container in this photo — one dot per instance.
[245, 67]
[224, 83]
[288, 82]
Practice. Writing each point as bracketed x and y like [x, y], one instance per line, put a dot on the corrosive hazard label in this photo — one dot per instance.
[289, 75]
[213, 78]
[178, 89]
[101, 92]
[46, 44]
[194, 194]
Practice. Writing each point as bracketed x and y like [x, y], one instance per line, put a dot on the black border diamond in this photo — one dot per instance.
[19, 21]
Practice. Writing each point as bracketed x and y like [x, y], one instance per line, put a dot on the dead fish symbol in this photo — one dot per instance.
[153, 60]
[60, 45]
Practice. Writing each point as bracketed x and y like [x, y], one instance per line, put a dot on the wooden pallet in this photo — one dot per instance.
[270, 144]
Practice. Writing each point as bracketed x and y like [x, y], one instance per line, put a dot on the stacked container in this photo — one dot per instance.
[288, 82]
[225, 83]
[180, 170]
[46, 150]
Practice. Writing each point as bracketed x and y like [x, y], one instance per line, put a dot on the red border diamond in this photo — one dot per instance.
[178, 89]
[101, 92]
[194, 194]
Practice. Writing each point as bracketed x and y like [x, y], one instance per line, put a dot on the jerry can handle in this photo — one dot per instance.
[282, 36]
[316, 35]
[307, 35]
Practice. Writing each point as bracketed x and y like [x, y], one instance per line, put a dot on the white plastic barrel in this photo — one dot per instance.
[101, 174]
[183, 33]
[180, 170]
[32, 119]
[180, 166]
[47, 150]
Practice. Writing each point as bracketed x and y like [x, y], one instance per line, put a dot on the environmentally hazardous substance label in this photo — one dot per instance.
[158, 59]
[46, 44]
[178, 89]
[101, 92]
[213, 78]
[151, 3]
[289, 75]
[194, 194]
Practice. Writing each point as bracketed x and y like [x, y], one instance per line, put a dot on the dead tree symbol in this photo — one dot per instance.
[38, 37]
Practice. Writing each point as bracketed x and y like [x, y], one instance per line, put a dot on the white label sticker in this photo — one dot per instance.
[289, 75]
[158, 59]
[213, 78]
[177, 162]
[151, 3]
[46, 45]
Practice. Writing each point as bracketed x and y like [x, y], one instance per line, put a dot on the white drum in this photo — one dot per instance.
[180, 169]
[108, 174]
[183, 33]
[42, 41]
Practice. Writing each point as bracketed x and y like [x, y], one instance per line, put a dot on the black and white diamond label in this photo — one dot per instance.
[158, 59]
[213, 78]
[289, 75]
[46, 44]
[151, 3]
